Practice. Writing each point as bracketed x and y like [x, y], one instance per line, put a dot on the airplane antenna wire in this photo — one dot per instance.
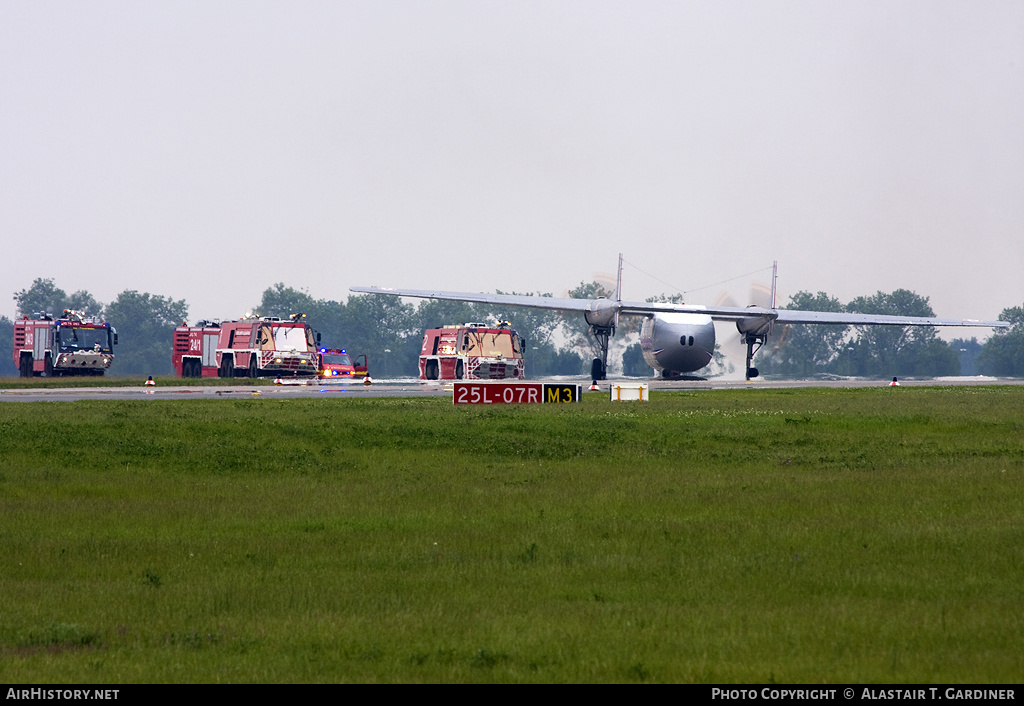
[697, 289]
[667, 284]
[727, 281]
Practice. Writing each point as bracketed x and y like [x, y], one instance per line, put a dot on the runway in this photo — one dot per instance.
[411, 387]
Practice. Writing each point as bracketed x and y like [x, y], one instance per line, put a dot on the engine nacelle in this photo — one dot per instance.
[755, 325]
[603, 313]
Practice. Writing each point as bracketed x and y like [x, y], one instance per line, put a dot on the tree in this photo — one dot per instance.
[145, 325]
[633, 362]
[84, 302]
[46, 297]
[1003, 353]
[1015, 316]
[800, 350]
[325, 317]
[967, 351]
[543, 358]
[897, 350]
[382, 327]
[284, 301]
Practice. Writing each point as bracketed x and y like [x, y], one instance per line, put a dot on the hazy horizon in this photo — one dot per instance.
[206, 151]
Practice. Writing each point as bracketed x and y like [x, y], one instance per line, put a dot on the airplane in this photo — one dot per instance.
[679, 338]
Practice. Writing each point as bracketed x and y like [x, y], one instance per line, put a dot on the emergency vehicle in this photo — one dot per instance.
[472, 351]
[249, 347]
[74, 344]
[336, 363]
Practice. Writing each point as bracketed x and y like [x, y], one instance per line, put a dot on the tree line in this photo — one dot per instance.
[389, 331]
[806, 350]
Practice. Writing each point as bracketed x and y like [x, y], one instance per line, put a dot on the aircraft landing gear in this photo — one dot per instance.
[751, 340]
[599, 366]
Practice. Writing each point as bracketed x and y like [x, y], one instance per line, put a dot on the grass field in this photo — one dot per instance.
[825, 535]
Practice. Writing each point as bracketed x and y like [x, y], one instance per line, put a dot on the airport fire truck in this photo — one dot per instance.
[472, 351]
[249, 347]
[74, 344]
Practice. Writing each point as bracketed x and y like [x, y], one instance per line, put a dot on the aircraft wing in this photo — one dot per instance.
[481, 298]
[726, 313]
[563, 303]
[794, 316]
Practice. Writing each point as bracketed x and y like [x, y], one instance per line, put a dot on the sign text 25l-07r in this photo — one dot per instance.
[514, 392]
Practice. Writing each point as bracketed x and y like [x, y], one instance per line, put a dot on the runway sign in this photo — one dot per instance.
[514, 392]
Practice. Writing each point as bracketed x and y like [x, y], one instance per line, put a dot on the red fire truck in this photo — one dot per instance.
[71, 345]
[250, 347]
[472, 351]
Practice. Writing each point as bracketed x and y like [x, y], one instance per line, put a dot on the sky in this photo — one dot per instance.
[208, 150]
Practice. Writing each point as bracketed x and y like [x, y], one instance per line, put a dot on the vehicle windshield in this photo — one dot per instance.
[82, 338]
[493, 344]
[337, 359]
[288, 337]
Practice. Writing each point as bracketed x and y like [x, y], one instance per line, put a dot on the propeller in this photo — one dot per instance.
[732, 345]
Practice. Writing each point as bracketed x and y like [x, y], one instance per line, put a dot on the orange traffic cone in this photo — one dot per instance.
[149, 382]
[593, 385]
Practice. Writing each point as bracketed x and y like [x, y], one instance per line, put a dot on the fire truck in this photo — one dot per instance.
[74, 344]
[472, 351]
[249, 347]
[336, 363]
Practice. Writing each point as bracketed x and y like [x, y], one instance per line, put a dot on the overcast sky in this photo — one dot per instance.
[207, 150]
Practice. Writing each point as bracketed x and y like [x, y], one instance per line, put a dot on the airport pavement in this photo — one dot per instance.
[411, 387]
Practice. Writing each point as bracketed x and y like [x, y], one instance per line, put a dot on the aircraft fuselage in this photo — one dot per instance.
[676, 344]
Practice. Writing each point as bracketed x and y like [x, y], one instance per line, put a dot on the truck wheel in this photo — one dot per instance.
[459, 370]
[253, 369]
[48, 367]
[227, 367]
[26, 366]
[431, 370]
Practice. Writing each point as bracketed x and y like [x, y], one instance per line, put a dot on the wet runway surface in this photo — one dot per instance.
[411, 387]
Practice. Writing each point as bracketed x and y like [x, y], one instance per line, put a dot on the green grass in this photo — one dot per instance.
[869, 535]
